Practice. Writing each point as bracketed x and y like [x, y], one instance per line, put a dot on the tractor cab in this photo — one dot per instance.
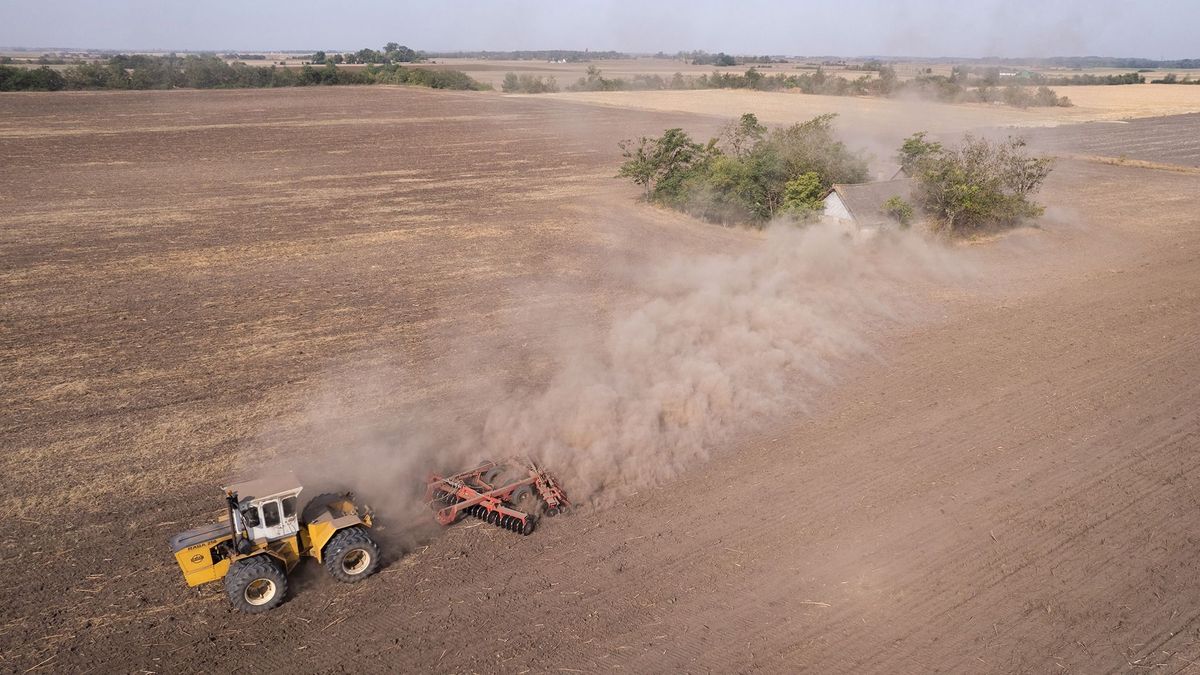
[266, 508]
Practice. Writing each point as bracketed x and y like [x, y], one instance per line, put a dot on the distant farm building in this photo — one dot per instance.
[862, 204]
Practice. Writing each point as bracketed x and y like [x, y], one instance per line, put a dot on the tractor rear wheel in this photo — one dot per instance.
[255, 584]
[351, 555]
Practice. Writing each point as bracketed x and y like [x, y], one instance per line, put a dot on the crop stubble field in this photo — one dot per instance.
[196, 282]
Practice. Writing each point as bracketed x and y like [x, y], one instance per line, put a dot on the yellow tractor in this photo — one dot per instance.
[261, 537]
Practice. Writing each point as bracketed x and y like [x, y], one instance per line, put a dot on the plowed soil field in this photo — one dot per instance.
[199, 284]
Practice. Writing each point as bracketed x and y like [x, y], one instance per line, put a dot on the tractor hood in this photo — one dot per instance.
[199, 535]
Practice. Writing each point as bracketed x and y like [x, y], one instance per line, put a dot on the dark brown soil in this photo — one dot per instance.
[1166, 140]
[1010, 488]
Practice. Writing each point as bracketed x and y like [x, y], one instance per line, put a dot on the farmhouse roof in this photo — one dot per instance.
[865, 201]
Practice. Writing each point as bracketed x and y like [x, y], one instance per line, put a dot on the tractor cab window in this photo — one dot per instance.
[250, 515]
[289, 507]
[270, 514]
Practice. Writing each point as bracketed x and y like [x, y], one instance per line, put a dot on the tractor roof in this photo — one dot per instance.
[266, 486]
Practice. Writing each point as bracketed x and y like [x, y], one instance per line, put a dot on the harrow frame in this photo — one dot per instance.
[499, 493]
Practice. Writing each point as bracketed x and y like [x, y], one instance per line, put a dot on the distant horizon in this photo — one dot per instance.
[344, 50]
[1158, 29]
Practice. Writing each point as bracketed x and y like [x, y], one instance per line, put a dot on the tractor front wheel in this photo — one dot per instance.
[255, 584]
[351, 555]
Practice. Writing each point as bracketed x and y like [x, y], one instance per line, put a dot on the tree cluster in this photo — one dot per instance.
[1113, 62]
[748, 174]
[528, 84]
[1087, 79]
[549, 55]
[974, 185]
[718, 59]
[703, 58]
[993, 76]
[1172, 78]
[953, 90]
[209, 72]
[30, 79]
[886, 83]
[595, 81]
[1068, 62]
[899, 210]
[391, 53]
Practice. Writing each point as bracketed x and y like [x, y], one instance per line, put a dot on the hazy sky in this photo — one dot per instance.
[1147, 28]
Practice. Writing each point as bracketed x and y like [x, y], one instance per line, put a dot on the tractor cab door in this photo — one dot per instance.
[277, 518]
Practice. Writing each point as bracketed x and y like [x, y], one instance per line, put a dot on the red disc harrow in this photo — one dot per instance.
[510, 494]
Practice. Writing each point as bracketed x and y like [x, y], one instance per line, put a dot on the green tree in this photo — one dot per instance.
[803, 194]
[30, 79]
[980, 183]
[915, 150]
[368, 56]
[749, 173]
[899, 209]
[812, 146]
[740, 137]
[329, 74]
[753, 78]
[308, 75]
[661, 164]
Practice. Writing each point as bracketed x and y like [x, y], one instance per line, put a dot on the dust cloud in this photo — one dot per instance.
[711, 348]
[719, 346]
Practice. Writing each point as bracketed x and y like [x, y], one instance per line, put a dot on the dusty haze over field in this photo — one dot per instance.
[1156, 29]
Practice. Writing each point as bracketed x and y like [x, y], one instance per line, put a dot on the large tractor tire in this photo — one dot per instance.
[256, 585]
[351, 555]
[317, 505]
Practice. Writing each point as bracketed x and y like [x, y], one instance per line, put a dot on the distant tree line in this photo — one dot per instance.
[994, 76]
[706, 59]
[870, 65]
[566, 55]
[1070, 62]
[209, 72]
[931, 87]
[1111, 62]
[1087, 79]
[703, 58]
[948, 90]
[392, 52]
[1172, 78]
[528, 84]
[30, 79]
